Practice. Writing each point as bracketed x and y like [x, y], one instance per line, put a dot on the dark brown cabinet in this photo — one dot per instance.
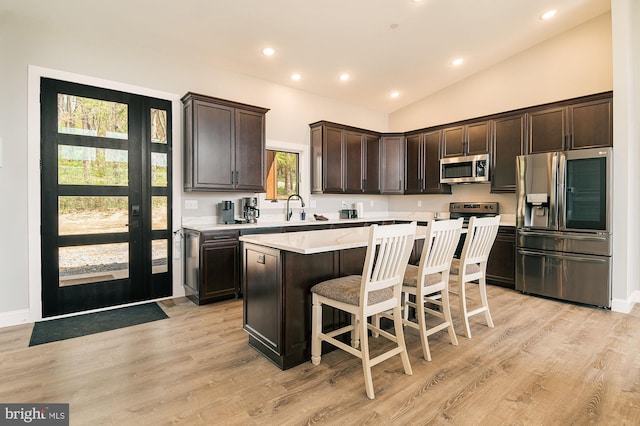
[212, 265]
[392, 171]
[344, 159]
[507, 143]
[501, 265]
[584, 124]
[422, 164]
[224, 145]
[467, 139]
[277, 300]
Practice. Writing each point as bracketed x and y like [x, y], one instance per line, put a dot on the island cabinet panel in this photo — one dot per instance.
[277, 298]
[224, 145]
[508, 142]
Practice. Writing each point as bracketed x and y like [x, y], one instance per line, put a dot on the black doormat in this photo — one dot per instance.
[97, 322]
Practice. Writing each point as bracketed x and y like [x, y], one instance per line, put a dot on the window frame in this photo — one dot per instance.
[303, 171]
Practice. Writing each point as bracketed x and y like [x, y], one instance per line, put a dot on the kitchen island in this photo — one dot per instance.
[278, 273]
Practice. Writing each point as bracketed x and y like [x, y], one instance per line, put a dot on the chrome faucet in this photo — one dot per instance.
[289, 212]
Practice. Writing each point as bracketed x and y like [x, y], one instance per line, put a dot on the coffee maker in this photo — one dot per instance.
[250, 210]
[226, 212]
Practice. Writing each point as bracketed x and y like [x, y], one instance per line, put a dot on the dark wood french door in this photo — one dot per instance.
[105, 197]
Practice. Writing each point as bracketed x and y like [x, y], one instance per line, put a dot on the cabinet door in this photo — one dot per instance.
[414, 160]
[354, 170]
[372, 164]
[316, 160]
[508, 143]
[478, 138]
[249, 151]
[332, 160]
[591, 124]
[501, 265]
[219, 270]
[453, 140]
[392, 165]
[547, 130]
[262, 296]
[431, 152]
[213, 147]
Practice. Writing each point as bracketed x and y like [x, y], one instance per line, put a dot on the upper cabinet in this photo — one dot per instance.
[224, 145]
[422, 163]
[344, 159]
[468, 139]
[508, 141]
[584, 124]
[392, 170]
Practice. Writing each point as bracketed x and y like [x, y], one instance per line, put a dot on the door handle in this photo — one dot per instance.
[562, 257]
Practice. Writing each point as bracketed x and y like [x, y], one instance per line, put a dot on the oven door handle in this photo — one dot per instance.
[562, 256]
[563, 236]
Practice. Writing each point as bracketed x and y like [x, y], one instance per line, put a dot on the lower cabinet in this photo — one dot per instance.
[501, 266]
[212, 265]
[277, 298]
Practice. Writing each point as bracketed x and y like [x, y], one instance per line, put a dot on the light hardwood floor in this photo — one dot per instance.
[544, 363]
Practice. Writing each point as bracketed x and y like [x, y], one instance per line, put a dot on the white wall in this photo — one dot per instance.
[626, 134]
[24, 43]
[575, 63]
[594, 57]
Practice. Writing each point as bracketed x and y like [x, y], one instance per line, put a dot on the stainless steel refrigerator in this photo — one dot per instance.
[563, 225]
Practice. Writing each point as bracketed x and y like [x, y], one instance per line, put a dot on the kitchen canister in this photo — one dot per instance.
[359, 208]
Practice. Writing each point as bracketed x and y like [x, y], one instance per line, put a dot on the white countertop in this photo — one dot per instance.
[310, 242]
[505, 220]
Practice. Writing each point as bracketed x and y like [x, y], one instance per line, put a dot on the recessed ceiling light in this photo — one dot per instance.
[268, 51]
[344, 77]
[548, 14]
[457, 61]
[296, 76]
[394, 94]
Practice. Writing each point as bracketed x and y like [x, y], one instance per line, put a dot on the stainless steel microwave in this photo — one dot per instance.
[466, 169]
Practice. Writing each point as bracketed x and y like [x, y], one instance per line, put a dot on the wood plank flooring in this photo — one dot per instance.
[544, 363]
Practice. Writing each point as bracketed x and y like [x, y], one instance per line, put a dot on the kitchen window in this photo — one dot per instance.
[282, 174]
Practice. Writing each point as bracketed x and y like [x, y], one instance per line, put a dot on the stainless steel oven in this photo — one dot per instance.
[563, 221]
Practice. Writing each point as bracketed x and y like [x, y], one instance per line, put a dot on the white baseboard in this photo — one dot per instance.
[625, 305]
[21, 316]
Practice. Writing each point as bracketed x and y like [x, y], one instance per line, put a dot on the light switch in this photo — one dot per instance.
[190, 204]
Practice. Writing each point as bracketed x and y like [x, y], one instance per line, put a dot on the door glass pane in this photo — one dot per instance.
[158, 213]
[94, 263]
[83, 165]
[158, 126]
[158, 169]
[159, 249]
[92, 117]
[79, 215]
[586, 193]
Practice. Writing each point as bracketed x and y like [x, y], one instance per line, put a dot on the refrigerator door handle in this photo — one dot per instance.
[562, 256]
[563, 236]
[562, 195]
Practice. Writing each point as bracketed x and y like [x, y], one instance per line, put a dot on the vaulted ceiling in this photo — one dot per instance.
[385, 46]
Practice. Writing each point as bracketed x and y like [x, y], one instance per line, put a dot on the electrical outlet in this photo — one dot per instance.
[419, 203]
[371, 203]
[190, 204]
[344, 204]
